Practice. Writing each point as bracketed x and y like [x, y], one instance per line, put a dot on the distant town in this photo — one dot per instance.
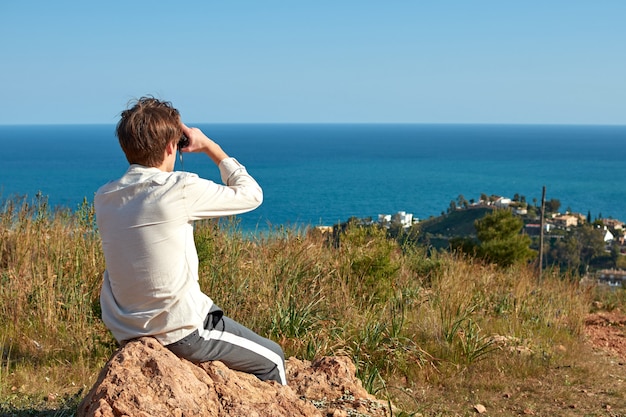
[602, 250]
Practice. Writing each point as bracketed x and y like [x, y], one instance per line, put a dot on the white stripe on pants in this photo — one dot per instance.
[236, 346]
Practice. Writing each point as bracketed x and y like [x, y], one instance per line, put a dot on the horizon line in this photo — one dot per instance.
[342, 123]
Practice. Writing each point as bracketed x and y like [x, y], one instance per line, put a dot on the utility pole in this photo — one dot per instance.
[542, 222]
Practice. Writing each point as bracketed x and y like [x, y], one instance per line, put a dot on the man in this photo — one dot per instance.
[145, 220]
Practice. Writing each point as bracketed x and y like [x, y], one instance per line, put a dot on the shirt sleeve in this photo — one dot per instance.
[239, 194]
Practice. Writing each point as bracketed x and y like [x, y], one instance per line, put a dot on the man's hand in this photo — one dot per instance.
[199, 142]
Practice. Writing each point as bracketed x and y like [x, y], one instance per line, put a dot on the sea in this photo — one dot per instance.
[323, 174]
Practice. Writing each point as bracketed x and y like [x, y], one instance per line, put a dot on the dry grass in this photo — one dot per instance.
[435, 334]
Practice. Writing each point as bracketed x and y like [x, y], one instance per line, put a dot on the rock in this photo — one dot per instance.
[330, 383]
[143, 379]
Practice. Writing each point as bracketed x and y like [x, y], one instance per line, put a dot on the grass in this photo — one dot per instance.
[434, 334]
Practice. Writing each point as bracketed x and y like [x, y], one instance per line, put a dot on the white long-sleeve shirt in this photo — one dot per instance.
[145, 220]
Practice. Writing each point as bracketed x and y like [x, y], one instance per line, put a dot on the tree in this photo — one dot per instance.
[592, 239]
[553, 205]
[578, 248]
[566, 253]
[615, 253]
[500, 239]
[461, 201]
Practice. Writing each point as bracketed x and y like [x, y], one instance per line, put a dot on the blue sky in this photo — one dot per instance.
[318, 61]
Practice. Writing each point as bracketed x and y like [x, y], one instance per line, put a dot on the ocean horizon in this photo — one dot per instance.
[322, 174]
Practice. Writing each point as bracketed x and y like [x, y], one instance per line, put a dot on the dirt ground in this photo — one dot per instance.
[606, 334]
[606, 331]
[596, 388]
[587, 382]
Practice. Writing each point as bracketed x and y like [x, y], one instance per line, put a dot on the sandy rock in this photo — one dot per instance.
[143, 379]
[331, 384]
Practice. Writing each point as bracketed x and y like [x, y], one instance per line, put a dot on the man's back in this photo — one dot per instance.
[151, 260]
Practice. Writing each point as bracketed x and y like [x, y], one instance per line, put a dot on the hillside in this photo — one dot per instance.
[435, 333]
[438, 230]
[456, 223]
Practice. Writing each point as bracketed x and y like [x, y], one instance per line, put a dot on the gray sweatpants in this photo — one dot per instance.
[238, 347]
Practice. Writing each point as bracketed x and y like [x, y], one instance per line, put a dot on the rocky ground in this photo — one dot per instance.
[144, 379]
[328, 387]
[606, 331]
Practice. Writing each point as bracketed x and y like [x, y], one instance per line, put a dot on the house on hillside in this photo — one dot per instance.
[582, 219]
[384, 218]
[566, 220]
[402, 217]
[502, 202]
[612, 277]
[608, 236]
[613, 224]
[534, 229]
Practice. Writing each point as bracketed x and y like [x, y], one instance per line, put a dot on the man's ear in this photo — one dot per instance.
[171, 148]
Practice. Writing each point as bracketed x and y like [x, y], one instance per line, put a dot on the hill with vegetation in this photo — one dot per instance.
[436, 333]
[582, 245]
[437, 231]
[455, 223]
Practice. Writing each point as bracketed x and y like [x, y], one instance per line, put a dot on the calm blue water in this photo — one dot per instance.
[321, 174]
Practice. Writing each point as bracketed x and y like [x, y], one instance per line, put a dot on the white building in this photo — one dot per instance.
[608, 236]
[384, 218]
[502, 202]
[402, 217]
[612, 277]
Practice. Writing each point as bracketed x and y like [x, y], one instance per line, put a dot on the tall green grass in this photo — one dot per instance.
[404, 317]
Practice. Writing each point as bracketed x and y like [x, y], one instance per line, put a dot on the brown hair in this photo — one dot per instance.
[146, 128]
